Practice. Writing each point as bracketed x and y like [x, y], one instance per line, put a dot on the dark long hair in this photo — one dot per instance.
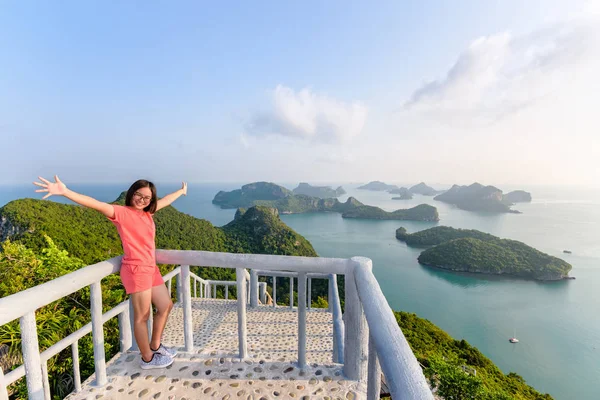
[142, 183]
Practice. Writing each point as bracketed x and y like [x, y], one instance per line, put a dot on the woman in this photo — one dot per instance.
[140, 275]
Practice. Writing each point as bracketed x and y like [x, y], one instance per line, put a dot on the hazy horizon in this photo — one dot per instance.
[501, 93]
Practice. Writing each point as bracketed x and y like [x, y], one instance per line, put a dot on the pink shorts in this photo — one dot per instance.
[137, 278]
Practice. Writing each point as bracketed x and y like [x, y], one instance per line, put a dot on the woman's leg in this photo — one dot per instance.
[162, 302]
[141, 313]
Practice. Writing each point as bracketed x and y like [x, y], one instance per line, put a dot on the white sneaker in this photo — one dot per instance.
[166, 351]
[158, 361]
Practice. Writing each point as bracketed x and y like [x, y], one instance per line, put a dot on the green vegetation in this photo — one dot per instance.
[459, 370]
[48, 240]
[22, 268]
[469, 250]
[438, 235]
[423, 212]
[259, 230]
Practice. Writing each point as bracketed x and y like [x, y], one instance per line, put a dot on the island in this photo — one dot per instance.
[423, 189]
[438, 235]
[404, 193]
[248, 194]
[378, 186]
[323, 192]
[517, 196]
[422, 212]
[468, 250]
[476, 197]
[285, 201]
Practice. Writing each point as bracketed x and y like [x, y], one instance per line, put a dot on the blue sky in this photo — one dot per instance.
[448, 92]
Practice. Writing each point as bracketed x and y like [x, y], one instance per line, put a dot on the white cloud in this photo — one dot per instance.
[309, 115]
[502, 74]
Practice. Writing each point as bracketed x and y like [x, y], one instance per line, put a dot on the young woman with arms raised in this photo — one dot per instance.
[140, 275]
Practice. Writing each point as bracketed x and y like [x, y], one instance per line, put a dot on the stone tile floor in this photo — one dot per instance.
[214, 371]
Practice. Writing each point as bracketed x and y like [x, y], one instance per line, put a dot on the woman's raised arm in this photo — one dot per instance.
[58, 188]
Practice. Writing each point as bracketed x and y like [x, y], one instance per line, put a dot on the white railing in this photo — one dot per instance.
[364, 352]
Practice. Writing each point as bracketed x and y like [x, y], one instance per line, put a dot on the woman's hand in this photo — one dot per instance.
[57, 188]
[184, 188]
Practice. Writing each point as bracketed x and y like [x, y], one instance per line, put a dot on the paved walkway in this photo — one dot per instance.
[213, 370]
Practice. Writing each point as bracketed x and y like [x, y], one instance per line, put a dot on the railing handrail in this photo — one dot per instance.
[21, 303]
[393, 350]
[288, 274]
[253, 261]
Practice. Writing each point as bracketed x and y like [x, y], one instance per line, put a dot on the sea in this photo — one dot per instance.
[557, 323]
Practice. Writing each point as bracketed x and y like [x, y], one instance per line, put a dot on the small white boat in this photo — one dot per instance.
[514, 338]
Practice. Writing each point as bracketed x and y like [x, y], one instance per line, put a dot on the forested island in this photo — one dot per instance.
[423, 189]
[468, 250]
[43, 240]
[477, 197]
[378, 186]
[322, 192]
[517, 196]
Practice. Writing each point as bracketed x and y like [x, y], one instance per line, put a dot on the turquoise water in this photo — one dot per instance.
[557, 323]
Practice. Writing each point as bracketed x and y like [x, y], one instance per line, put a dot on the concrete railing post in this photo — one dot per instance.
[241, 309]
[374, 374]
[291, 292]
[179, 288]
[262, 292]
[356, 328]
[46, 380]
[3, 390]
[188, 335]
[253, 288]
[124, 331]
[332, 279]
[309, 295]
[338, 323]
[76, 372]
[302, 319]
[274, 291]
[31, 357]
[134, 346]
[98, 334]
